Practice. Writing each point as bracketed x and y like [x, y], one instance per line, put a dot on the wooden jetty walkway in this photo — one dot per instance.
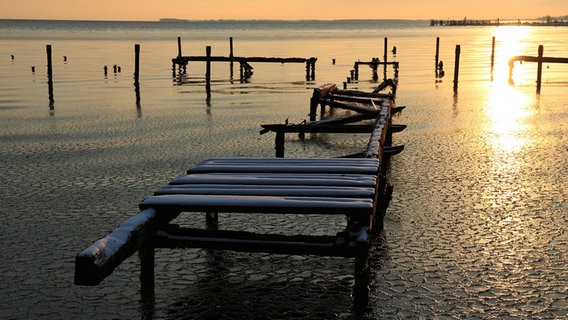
[353, 187]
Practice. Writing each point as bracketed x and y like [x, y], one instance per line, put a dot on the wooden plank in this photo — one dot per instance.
[99, 260]
[293, 161]
[308, 128]
[368, 101]
[267, 190]
[356, 207]
[255, 168]
[245, 59]
[355, 180]
[349, 119]
[351, 107]
[357, 93]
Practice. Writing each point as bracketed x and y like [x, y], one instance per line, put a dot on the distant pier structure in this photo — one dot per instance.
[518, 22]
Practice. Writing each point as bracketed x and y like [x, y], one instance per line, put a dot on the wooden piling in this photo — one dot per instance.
[49, 75]
[437, 56]
[231, 49]
[492, 53]
[179, 47]
[457, 67]
[146, 253]
[208, 72]
[385, 51]
[136, 62]
[539, 68]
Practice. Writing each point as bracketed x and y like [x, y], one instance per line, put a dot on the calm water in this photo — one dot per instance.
[476, 228]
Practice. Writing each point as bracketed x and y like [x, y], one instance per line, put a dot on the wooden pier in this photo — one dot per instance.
[539, 59]
[354, 187]
[181, 62]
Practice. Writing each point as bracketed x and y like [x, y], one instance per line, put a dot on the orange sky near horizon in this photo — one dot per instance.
[151, 10]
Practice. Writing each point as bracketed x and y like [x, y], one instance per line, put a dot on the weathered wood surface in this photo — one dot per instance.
[285, 167]
[356, 207]
[99, 260]
[355, 180]
[268, 190]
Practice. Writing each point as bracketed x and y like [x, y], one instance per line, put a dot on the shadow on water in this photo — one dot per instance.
[260, 286]
[236, 286]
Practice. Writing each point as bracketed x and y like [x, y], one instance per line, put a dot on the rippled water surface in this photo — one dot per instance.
[476, 228]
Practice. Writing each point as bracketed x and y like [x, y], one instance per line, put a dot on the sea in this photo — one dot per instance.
[476, 228]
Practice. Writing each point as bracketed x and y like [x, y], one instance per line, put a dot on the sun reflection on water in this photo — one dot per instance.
[507, 111]
[510, 42]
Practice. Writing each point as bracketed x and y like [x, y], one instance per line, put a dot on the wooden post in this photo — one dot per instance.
[314, 101]
[362, 277]
[437, 57]
[313, 63]
[231, 48]
[49, 75]
[492, 53]
[146, 254]
[385, 52]
[208, 73]
[231, 57]
[539, 68]
[457, 67]
[136, 62]
[279, 144]
[179, 47]
[308, 70]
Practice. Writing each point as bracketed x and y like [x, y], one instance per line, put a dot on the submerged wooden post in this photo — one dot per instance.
[279, 144]
[231, 48]
[492, 53]
[539, 68]
[208, 73]
[49, 75]
[437, 57]
[136, 62]
[313, 63]
[146, 253]
[457, 67]
[385, 51]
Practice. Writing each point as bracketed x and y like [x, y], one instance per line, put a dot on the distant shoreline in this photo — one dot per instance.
[518, 22]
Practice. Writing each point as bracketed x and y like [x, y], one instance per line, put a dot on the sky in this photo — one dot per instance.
[152, 10]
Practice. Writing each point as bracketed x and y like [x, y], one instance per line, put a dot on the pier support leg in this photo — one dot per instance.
[208, 73]
[50, 77]
[437, 57]
[212, 219]
[362, 276]
[146, 255]
[314, 101]
[313, 64]
[457, 67]
[539, 68]
[279, 142]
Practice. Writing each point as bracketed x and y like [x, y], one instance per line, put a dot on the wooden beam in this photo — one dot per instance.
[99, 260]
[341, 245]
[354, 128]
